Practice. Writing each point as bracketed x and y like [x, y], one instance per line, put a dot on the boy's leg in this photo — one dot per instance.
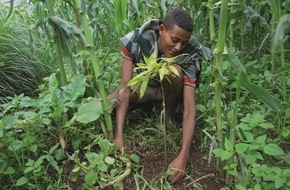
[173, 94]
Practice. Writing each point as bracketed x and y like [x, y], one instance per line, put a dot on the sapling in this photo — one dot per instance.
[152, 68]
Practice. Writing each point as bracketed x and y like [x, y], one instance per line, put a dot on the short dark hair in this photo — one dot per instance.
[178, 17]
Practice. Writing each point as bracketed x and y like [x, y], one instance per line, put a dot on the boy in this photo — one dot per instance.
[167, 38]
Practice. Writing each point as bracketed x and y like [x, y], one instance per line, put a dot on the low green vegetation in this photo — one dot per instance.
[59, 60]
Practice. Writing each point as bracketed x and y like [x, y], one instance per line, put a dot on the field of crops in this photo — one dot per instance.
[60, 59]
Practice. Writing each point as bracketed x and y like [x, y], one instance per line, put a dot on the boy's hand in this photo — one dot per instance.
[119, 142]
[178, 166]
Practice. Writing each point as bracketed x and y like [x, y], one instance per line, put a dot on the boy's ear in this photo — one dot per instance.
[161, 28]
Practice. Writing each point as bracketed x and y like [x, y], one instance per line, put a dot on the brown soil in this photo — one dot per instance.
[199, 174]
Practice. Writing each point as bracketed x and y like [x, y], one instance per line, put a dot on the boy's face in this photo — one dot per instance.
[172, 41]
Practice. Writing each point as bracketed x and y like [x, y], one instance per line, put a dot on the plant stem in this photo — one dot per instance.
[96, 68]
[231, 28]
[222, 27]
[163, 123]
[242, 33]
[229, 177]
[219, 61]
[57, 46]
[218, 83]
[211, 23]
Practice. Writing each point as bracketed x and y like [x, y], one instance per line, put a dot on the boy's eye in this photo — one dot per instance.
[174, 40]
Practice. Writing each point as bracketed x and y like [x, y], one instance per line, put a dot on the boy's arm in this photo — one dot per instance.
[123, 95]
[180, 162]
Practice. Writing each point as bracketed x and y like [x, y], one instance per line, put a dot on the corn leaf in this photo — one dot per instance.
[261, 93]
[282, 27]
[233, 59]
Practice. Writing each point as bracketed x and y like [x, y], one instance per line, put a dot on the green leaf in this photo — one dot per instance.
[67, 29]
[52, 162]
[77, 169]
[223, 154]
[218, 75]
[144, 85]
[258, 155]
[228, 145]
[257, 187]
[134, 81]
[1, 129]
[119, 185]
[287, 159]
[76, 88]
[17, 144]
[235, 62]
[254, 146]
[103, 167]
[52, 149]
[9, 170]
[94, 158]
[282, 27]
[33, 148]
[9, 121]
[261, 93]
[279, 182]
[249, 159]
[91, 177]
[241, 147]
[218, 152]
[273, 150]
[89, 111]
[104, 145]
[135, 158]
[28, 169]
[21, 181]
[162, 71]
[261, 140]
[174, 70]
[109, 160]
[249, 136]
[226, 155]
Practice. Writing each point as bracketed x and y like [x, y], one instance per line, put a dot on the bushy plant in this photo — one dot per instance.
[40, 136]
[24, 60]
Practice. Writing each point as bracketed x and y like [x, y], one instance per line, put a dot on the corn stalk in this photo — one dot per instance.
[219, 56]
[81, 5]
[57, 45]
[211, 23]
[218, 65]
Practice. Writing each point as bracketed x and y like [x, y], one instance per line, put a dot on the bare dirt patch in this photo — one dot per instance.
[200, 175]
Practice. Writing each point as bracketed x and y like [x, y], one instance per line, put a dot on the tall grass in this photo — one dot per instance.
[23, 60]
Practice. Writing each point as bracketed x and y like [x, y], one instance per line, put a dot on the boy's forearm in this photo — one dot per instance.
[187, 133]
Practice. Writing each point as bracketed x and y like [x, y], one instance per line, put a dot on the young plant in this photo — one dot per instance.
[105, 168]
[151, 68]
[254, 152]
